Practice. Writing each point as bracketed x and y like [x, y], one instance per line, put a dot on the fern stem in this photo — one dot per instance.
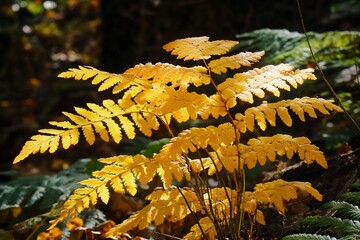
[228, 223]
[37, 228]
[240, 201]
[167, 125]
[192, 212]
[320, 70]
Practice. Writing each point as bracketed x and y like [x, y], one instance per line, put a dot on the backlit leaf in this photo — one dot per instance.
[198, 48]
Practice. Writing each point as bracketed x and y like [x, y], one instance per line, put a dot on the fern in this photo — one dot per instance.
[162, 94]
[344, 226]
[258, 151]
[336, 49]
[344, 209]
[221, 65]
[343, 222]
[308, 237]
[352, 197]
[42, 191]
[198, 48]
[270, 78]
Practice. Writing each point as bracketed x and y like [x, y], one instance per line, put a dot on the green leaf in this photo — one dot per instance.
[351, 197]
[332, 49]
[304, 236]
[344, 226]
[42, 191]
[344, 210]
[154, 147]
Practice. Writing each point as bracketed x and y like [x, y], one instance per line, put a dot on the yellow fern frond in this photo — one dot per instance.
[162, 74]
[49, 140]
[198, 48]
[184, 105]
[260, 150]
[208, 228]
[270, 78]
[97, 119]
[105, 79]
[120, 172]
[192, 139]
[279, 191]
[221, 65]
[164, 204]
[266, 112]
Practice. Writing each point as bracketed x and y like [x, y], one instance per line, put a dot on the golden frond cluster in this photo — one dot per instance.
[161, 94]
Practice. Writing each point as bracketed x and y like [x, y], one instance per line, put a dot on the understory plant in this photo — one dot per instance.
[153, 97]
[342, 220]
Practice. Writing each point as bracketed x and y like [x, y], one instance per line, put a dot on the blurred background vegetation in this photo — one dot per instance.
[39, 39]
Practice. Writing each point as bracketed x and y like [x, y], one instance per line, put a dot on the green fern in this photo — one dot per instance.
[344, 209]
[43, 191]
[351, 197]
[355, 188]
[338, 225]
[351, 237]
[303, 236]
[336, 49]
[344, 222]
[91, 217]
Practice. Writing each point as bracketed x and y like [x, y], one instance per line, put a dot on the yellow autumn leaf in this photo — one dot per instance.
[198, 48]
[74, 223]
[279, 192]
[260, 218]
[221, 65]
[284, 115]
[114, 129]
[103, 193]
[92, 182]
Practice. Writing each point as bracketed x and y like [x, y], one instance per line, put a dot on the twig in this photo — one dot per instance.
[320, 70]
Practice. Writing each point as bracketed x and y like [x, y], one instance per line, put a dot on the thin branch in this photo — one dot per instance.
[320, 70]
[192, 212]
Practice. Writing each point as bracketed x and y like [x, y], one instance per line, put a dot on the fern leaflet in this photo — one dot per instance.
[206, 225]
[162, 74]
[344, 210]
[221, 65]
[198, 48]
[105, 79]
[253, 82]
[303, 236]
[278, 191]
[345, 226]
[266, 112]
[351, 197]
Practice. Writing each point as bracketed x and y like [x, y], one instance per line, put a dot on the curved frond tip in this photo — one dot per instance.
[105, 80]
[198, 48]
[108, 120]
[221, 65]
